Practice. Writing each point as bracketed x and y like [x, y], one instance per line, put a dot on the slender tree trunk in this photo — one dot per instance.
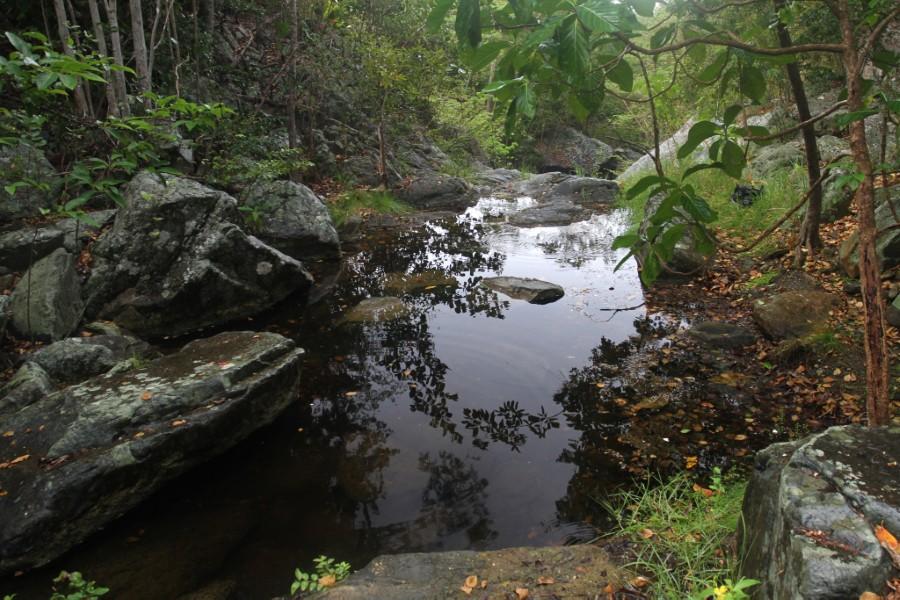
[154, 32]
[111, 99]
[115, 39]
[62, 23]
[140, 46]
[291, 107]
[211, 20]
[809, 231]
[382, 146]
[175, 47]
[878, 402]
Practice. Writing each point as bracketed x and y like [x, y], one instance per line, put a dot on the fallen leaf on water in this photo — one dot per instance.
[9, 434]
[740, 437]
[647, 533]
[430, 287]
[178, 422]
[521, 593]
[546, 580]
[15, 461]
[350, 394]
[3, 493]
[327, 580]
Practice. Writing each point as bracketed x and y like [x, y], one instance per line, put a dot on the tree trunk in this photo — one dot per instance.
[291, 104]
[115, 39]
[62, 24]
[140, 46]
[878, 402]
[809, 231]
[111, 98]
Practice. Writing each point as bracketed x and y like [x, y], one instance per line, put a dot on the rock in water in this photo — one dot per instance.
[810, 511]
[293, 220]
[47, 300]
[722, 335]
[373, 310]
[83, 456]
[176, 261]
[533, 291]
[439, 575]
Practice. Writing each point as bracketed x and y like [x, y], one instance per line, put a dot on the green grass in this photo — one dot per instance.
[364, 202]
[761, 280]
[782, 190]
[688, 551]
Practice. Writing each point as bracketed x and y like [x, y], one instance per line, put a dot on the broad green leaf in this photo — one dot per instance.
[19, 44]
[643, 7]
[622, 75]
[700, 167]
[701, 131]
[698, 208]
[45, 80]
[753, 84]
[523, 9]
[70, 81]
[626, 240]
[733, 159]
[483, 55]
[664, 35]
[642, 185]
[579, 110]
[858, 115]
[573, 47]
[712, 70]
[438, 14]
[468, 22]
[671, 236]
[526, 102]
[597, 16]
[544, 32]
[650, 268]
[731, 113]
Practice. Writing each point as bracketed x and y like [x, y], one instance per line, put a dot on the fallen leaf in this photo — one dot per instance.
[647, 533]
[9, 433]
[521, 593]
[465, 590]
[546, 580]
[146, 396]
[178, 422]
[639, 582]
[15, 461]
[350, 394]
[740, 437]
[472, 581]
[327, 580]
[3, 493]
[886, 537]
[702, 490]
[690, 462]
[869, 596]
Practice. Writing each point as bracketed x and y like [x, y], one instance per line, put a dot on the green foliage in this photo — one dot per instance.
[77, 588]
[327, 573]
[679, 532]
[761, 280]
[461, 121]
[364, 202]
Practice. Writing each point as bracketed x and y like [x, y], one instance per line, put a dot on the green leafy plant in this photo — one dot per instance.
[363, 202]
[76, 587]
[327, 572]
[730, 590]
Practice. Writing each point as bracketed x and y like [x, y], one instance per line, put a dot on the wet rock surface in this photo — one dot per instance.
[176, 260]
[75, 359]
[810, 510]
[533, 291]
[372, 310]
[575, 572]
[793, 314]
[116, 438]
[293, 220]
[29, 384]
[405, 283]
[47, 300]
[588, 192]
[432, 191]
[722, 335]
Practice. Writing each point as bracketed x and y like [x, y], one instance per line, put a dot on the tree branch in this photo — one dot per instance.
[797, 49]
[797, 127]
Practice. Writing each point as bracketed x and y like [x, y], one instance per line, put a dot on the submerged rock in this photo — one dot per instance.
[405, 283]
[372, 310]
[83, 456]
[587, 192]
[810, 511]
[533, 291]
[560, 212]
[293, 220]
[793, 314]
[47, 300]
[176, 261]
[432, 191]
[575, 571]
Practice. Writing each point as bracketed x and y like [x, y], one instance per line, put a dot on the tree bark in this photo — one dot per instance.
[140, 46]
[115, 38]
[878, 402]
[62, 24]
[809, 231]
[111, 99]
[291, 104]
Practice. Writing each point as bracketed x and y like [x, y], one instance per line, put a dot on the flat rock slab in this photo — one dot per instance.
[81, 457]
[722, 335]
[373, 310]
[810, 512]
[576, 572]
[793, 314]
[533, 291]
[406, 283]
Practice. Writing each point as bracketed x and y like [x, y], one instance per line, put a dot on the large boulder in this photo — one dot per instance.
[776, 157]
[533, 291]
[25, 163]
[887, 246]
[432, 191]
[837, 199]
[587, 192]
[29, 384]
[20, 248]
[567, 149]
[794, 314]
[176, 260]
[810, 511]
[47, 300]
[668, 150]
[83, 456]
[293, 219]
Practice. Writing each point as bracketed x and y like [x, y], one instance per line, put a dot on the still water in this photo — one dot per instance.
[443, 429]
